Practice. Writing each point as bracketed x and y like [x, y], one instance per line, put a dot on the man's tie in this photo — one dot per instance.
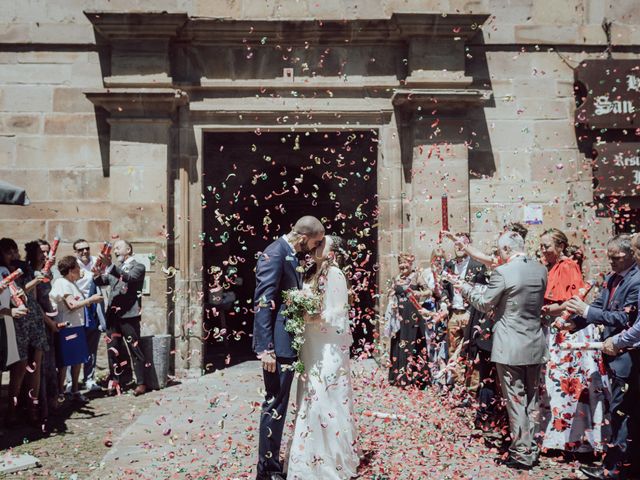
[614, 286]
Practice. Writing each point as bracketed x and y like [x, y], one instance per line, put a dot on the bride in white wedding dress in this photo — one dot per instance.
[324, 444]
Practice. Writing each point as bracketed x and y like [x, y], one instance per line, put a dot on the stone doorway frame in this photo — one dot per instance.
[140, 92]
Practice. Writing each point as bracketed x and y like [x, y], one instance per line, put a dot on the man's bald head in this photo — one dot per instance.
[307, 234]
[308, 225]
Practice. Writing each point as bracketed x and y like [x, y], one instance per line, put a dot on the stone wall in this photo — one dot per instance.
[88, 178]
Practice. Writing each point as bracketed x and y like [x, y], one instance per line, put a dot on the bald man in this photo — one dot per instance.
[124, 313]
[277, 271]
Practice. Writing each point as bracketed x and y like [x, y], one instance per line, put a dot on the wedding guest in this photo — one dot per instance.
[437, 303]
[49, 380]
[31, 337]
[36, 256]
[515, 293]
[96, 323]
[489, 261]
[8, 342]
[573, 419]
[71, 341]
[470, 270]
[615, 308]
[124, 312]
[575, 253]
[408, 354]
[613, 346]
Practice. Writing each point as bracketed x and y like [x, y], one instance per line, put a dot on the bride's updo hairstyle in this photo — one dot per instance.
[339, 251]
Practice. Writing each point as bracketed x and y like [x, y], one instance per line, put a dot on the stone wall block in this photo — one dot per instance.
[411, 6]
[58, 152]
[78, 184]
[513, 166]
[71, 100]
[42, 207]
[389, 182]
[7, 150]
[390, 216]
[35, 182]
[218, 8]
[48, 32]
[554, 165]
[18, 98]
[568, 12]
[581, 192]
[505, 134]
[32, 74]
[86, 75]
[541, 109]
[625, 34]
[554, 134]
[625, 12]
[20, 123]
[138, 184]
[512, 65]
[142, 221]
[14, 32]
[70, 124]
[542, 33]
[44, 57]
[23, 231]
[550, 65]
[139, 154]
[70, 230]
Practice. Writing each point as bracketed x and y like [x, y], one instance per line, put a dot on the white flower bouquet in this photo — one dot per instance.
[297, 304]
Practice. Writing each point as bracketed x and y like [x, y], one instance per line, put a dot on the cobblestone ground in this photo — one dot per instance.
[206, 429]
[79, 436]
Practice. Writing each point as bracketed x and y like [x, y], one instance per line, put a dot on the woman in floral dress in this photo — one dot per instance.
[573, 402]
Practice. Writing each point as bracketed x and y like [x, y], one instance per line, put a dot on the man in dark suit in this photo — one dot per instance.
[124, 311]
[278, 269]
[459, 329]
[616, 308]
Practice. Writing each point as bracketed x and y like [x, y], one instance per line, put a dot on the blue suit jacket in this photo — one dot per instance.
[616, 315]
[275, 273]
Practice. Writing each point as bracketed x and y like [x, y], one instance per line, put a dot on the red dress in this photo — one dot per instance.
[564, 280]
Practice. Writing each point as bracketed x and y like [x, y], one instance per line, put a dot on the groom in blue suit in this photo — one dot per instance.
[276, 271]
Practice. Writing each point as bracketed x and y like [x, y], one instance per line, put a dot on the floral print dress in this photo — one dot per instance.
[575, 396]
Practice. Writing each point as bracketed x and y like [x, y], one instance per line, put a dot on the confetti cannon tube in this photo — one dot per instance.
[15, 295]
[445, 212]
[582, 345]
[52, 254]
[412, 298]
[582, 294]
[385, 416]
[9, 279]
[106, 251]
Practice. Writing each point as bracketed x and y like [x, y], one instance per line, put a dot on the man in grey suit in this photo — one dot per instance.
[123, 313]
[515, 294]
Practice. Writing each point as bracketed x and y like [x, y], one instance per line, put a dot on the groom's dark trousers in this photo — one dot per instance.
[274, 412]
[276, 272]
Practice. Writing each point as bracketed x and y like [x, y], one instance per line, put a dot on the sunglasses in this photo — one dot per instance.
[85, 249]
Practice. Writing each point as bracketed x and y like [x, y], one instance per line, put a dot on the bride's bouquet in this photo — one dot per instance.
[298, 303]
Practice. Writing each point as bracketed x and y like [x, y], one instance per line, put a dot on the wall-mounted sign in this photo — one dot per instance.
[608, 93]
[617, 169]
[533, 214]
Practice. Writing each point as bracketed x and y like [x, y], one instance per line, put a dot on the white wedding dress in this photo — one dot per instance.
[324, 445]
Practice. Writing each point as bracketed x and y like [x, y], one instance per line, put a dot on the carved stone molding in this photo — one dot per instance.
[179, 26]
[115, 26]
[151, 104]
